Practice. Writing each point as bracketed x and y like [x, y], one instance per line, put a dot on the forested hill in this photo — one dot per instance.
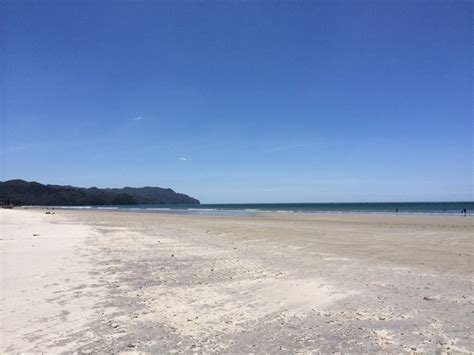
[20, 192]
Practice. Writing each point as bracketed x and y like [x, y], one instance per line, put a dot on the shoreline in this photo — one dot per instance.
[241, 212]
[109, 281]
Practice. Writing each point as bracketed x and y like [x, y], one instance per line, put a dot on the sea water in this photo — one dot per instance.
[435, 208]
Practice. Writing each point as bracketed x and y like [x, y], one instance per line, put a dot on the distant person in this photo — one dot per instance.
[464, 211]
[396, 210]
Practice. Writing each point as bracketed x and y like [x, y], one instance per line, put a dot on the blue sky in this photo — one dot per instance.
[241, 101]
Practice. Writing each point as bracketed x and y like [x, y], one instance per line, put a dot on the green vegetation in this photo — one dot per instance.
[20, 192]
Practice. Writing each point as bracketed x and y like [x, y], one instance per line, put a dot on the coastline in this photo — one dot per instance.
[273, 282]
[249, 210]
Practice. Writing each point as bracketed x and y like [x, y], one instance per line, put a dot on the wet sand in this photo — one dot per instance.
[120, 281]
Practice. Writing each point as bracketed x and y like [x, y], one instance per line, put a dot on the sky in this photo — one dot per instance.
[241, 101]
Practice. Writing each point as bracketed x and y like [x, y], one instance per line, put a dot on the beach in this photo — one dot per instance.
[109, 281]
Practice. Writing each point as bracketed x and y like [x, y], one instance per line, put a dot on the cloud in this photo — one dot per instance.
[182, 159]
[18, 148]
[138, 118]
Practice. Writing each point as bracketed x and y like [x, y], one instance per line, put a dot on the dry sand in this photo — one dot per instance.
[111, 282]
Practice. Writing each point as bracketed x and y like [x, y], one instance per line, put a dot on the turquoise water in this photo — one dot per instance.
[451, 208]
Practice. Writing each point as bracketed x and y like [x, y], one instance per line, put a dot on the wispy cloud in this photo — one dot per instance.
[19, 148]
[16, 149]
[182, 159]
[138, 118]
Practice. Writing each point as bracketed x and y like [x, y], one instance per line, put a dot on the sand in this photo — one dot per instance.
[115, 281]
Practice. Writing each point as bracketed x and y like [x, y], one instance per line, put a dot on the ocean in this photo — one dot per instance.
[246, 209]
